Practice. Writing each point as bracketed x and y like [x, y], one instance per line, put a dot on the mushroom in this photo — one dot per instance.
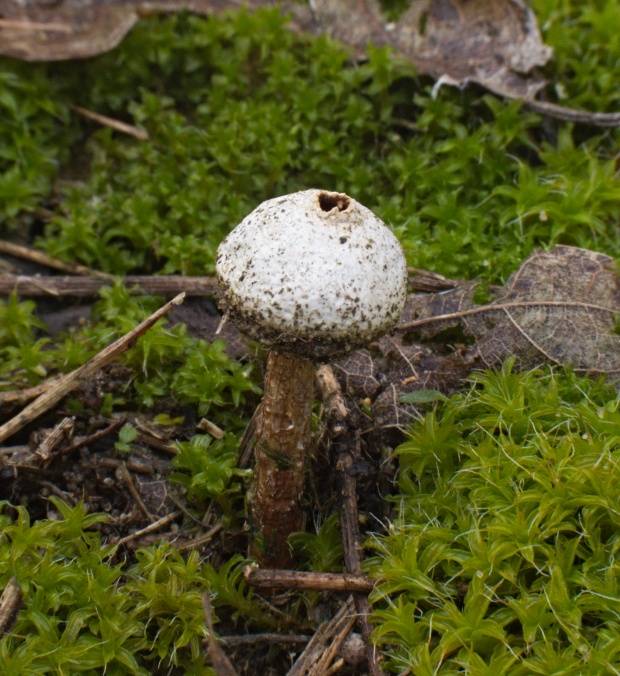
[312, 275]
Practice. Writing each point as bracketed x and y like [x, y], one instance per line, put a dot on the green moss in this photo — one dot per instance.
[85, 613]
[500, 481]
[505, 548]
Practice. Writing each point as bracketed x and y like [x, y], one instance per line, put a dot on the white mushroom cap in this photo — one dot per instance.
[314, 272]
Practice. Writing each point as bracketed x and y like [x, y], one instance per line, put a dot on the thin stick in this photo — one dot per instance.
[134, 465]
[203, 539]
[67, 497]
[149, 529]
[69, 382]
[124, 128]
[210, 428]
[336, 666]
[22, 396]
[346, 442]
[164, 446]
[48, 445]
[251, 639]
[518, 305]
[87, 287]
[324, 645]
[40, 257]
[135, 494]
[221, 664]
[295, 579]
[573, 115]
[10, 603]
[82, 441]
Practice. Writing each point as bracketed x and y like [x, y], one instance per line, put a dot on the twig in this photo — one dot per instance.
[82, 441]
[184, 509]
[87, 287]
[252, 639]
[20, 458]
[149, 529]
[165, 285]
[69, 382]
[336, 666]
[203, 539]
[498, 307]
[222, 665]
[64, 495]
[62, 431]
[573, 115]
[10, 603]
[346, 443]
[132, 464]
[22, 396]
[140, 134]
[210, 428]
[294, 579]
[325, 644]
[164, 446]
[429, 282]
[135, 494]
[40, 257]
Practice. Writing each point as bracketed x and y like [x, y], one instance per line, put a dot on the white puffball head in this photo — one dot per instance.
[314, 272]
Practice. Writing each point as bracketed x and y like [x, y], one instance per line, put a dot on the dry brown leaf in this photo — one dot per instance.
[495, 43]
[559, 307]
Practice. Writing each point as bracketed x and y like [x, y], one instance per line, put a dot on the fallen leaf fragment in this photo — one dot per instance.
[494, 43]
[559, 307]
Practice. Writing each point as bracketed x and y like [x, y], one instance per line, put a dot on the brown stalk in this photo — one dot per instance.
[40, 257]
[106, 121]
[295, 579]
[149, 529]
[281, 439]
[86, 287]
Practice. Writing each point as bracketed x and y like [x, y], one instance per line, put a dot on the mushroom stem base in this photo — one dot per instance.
[282, 438]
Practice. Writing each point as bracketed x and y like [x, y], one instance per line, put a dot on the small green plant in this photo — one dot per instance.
[207, 469]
